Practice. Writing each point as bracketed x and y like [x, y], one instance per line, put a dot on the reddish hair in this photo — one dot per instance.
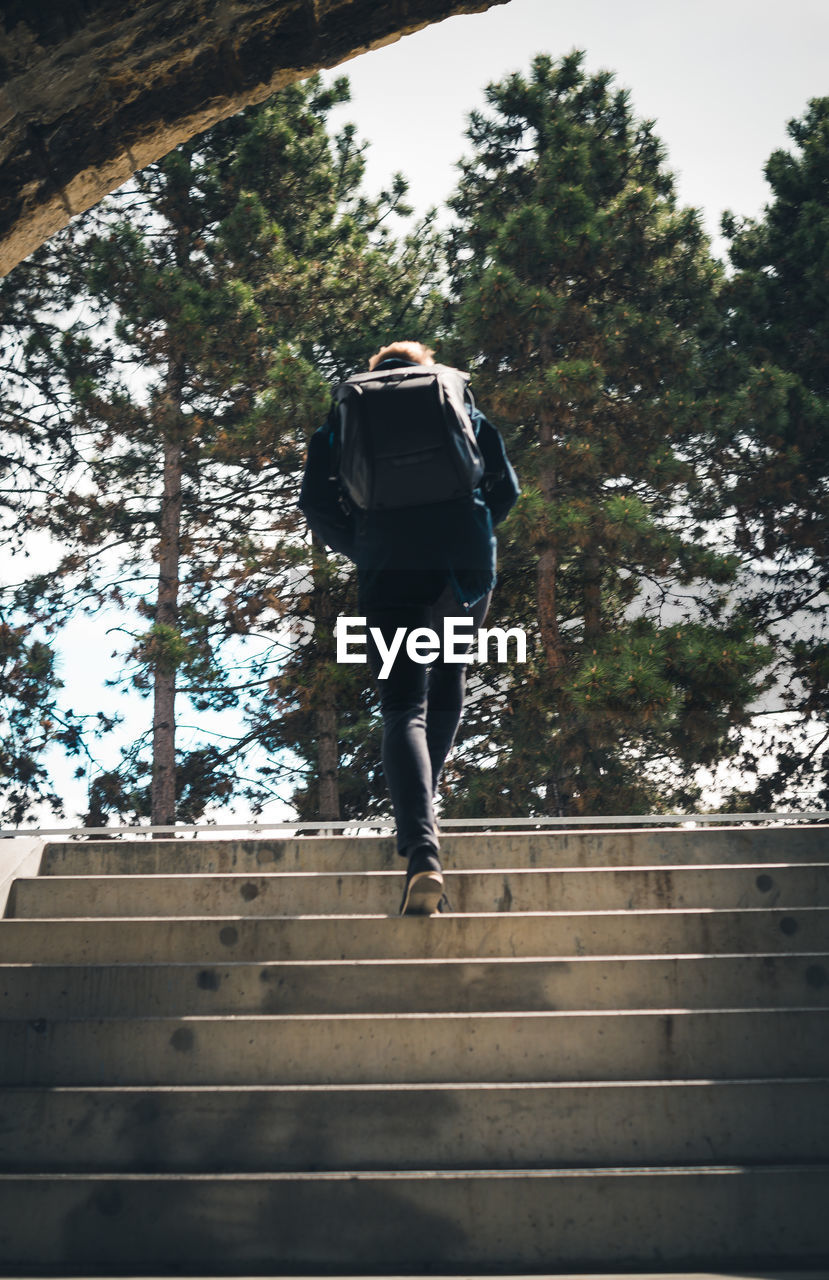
[404, 351]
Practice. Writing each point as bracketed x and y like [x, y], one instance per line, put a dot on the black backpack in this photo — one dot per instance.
[405, 437]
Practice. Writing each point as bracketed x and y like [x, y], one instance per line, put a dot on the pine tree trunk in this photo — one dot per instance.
[163, 805]
[328, 757]
[547, 569]
[557, 788]
[592, 597]
[546, 579]
[326, 722]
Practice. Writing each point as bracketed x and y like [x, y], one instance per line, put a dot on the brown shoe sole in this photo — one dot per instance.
[423, 893]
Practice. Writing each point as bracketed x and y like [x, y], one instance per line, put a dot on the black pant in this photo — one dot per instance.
[421, 708]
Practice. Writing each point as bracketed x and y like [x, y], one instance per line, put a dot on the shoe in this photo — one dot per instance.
[424, 883]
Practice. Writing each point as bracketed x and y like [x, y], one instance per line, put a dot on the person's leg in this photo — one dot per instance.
[446, 686]
[421, 713]
[406, 761]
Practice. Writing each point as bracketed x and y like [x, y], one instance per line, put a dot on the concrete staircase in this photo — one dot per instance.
[233, 1056]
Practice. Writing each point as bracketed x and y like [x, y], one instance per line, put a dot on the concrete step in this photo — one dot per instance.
[277, 1128]
[470, 852]
[419, 1222]
[799, 930]
[379, 892]
[412, 986]
[417, 1048]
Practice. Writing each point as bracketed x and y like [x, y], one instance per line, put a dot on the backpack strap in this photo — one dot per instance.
[334, 444]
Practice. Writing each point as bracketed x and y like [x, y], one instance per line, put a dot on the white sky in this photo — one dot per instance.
[721, 78]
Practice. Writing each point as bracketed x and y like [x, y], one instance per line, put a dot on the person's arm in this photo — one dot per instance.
[500, 488]
[320, 499]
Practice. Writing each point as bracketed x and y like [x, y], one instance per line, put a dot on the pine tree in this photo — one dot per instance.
[776, 443]
[583, 303]
[231, 283]
[28, 685]
[361, 285]
[36, 457]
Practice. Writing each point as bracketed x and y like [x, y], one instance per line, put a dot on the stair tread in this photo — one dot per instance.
[404, 1087]
[445, 1175]
[396, 873]
[461, 1015]
[414, 962]
[431, 920]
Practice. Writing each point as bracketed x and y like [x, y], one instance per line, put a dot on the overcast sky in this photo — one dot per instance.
[720, 77]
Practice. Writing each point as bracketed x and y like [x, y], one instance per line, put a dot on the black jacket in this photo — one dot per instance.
[406, 556]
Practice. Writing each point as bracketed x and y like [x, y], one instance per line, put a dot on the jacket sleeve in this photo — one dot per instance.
[320, 497]
[500, 487]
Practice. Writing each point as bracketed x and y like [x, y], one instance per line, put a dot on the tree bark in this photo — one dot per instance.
[163, 803]
[326, 721]
[328, 757]
[547, 568]
[592, 597]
